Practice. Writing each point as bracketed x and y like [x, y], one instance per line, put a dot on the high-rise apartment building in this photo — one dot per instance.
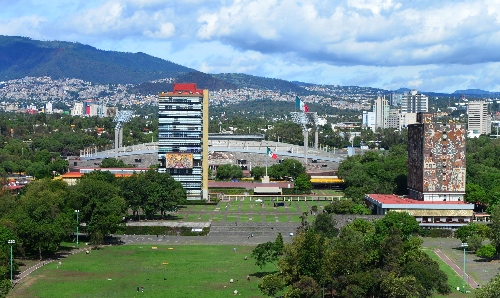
[436, 160]
[183, 138]
[479, 121]
[414, 102]
[381, 109]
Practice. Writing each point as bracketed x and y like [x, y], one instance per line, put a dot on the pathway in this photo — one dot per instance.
[472, 283]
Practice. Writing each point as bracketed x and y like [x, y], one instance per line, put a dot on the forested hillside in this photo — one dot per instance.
[21, 56]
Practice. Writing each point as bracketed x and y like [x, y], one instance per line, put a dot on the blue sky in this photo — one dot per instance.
[427, 45]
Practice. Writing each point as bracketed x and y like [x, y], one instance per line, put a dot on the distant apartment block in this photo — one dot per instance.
[183, 138]
[395, 99]
[381, 109]
[479, 121]
[414, 102]
[77, 109]
[379, 115]
[92, 109]
[393, 119]
[368, 120]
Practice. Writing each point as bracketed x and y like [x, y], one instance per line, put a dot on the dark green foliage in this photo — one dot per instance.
[258, 172]
[324, 224]
[152, 192]
[374, 172]
[114, 163]
[303, 183]
[489, 290]
[439, 233]
[268, 252]
[26, 57]
[346, 206]
[41, 218]
[486, 251]
[367, 259]
[225, 172]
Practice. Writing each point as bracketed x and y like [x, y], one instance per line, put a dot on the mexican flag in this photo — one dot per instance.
[301, 105]
[271, 154]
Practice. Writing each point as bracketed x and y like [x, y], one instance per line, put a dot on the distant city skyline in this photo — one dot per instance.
[438, 46]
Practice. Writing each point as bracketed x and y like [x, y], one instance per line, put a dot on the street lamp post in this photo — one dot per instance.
[11, 243]
[464, 245]
[77, 224]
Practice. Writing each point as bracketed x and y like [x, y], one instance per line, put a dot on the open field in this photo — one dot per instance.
[480, 271]
[117, 271]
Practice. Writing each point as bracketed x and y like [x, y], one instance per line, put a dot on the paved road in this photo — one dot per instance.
[472, 283]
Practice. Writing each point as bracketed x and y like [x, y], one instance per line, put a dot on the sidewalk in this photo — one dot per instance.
[472, 283]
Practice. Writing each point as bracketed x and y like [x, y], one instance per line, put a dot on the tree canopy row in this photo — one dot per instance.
[43, 214]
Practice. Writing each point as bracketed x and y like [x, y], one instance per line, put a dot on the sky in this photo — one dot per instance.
[428, 45]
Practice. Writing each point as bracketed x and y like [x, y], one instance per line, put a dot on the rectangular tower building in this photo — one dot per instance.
[414, 102]
[479, 119]
[436, 160]
[183, 138]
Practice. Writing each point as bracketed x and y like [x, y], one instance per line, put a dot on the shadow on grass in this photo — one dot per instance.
[262, 274]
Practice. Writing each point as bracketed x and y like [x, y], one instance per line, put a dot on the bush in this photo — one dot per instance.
[436, 233]
[487, 251]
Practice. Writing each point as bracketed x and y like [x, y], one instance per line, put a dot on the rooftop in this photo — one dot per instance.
[394, 200]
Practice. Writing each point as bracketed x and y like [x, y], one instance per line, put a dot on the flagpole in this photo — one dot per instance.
[266, 162]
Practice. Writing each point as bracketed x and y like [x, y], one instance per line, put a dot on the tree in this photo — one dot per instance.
[42, 220]
[257, 172]
[303, 183]
[490, 290]
[100, 205]
[495, 227]
[225, 172]
[268, 252]
[114, 163]
[464, 232]
[475, 242]
[324, 224]
[402, 221]
[401, 287]
[271, 284]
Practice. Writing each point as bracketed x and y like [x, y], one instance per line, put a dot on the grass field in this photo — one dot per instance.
[192, 271]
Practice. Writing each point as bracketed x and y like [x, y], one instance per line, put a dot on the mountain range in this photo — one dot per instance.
[22, 56]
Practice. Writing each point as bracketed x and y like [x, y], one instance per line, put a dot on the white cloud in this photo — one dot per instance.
[386, 43]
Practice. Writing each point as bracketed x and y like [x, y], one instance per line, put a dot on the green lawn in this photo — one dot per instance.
[453, 279]
[206, 217]
[295, 218]
[283, 218]
[218, 217]
[196, 207]
[256, 218]
[231, 218]
[192, 271]
[245, 206]
[235, 205]
[191, 217]
[270, 218]
[243, 218]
